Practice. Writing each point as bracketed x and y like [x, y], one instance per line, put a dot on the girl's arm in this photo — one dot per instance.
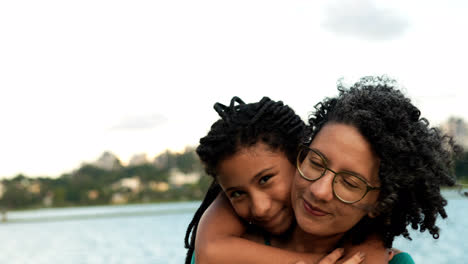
[219, 240]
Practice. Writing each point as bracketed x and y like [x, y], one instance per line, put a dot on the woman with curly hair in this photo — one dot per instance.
[412, 159]
[251, 153]
[370, 166]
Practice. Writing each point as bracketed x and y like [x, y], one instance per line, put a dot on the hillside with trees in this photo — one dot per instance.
[169, 177]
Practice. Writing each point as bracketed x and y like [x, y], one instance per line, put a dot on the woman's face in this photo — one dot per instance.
[257, 181]
[317, 210]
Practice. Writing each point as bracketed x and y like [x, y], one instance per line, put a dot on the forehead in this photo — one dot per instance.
[346, 149]
[241, 167]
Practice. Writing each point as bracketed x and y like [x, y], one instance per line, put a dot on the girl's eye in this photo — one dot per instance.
[264, 179]
[235, 194]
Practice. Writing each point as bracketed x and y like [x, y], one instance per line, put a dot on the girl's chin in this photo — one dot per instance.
[278, 230]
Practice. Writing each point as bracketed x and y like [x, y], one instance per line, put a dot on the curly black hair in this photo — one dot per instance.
[416, 159]
[243, 125]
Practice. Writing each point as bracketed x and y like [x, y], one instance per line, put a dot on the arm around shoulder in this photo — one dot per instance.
[219, 240]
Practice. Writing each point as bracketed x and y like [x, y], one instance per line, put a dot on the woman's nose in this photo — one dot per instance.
[322, 188]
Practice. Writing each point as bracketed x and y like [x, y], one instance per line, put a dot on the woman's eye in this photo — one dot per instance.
[349, 183]
[316, 164]
[264, 179]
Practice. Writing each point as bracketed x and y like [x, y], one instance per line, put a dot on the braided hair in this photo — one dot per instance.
[243, 125]
[416, 160]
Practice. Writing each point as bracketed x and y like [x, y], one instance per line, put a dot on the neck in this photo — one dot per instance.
[301, 241]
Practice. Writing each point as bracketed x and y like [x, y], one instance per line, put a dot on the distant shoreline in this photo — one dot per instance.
[93, 212]
[97, 205]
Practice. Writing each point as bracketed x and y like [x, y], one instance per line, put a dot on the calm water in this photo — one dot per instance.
[154, 234]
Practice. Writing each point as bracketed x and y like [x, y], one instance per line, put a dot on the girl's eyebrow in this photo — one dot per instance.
[260, 173]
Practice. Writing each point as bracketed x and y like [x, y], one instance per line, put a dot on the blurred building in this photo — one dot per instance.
[107, 161]
[119, 198]
[162, 160]
[93, 194]
[138, 159]
[48, 200]
[158, 186]
[458, 129]
[34, 187]
[179, 178]
[133, 184]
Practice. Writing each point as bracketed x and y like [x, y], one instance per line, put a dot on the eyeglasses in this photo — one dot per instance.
[347, 186]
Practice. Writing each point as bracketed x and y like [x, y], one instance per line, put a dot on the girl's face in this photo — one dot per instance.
[257, 181]
[317, 210]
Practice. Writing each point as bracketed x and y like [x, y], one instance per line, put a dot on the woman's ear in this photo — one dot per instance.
[372, 214]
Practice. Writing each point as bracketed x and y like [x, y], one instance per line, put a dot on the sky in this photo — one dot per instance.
[78, 78]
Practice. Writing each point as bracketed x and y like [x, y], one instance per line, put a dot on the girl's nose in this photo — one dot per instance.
[261, 204]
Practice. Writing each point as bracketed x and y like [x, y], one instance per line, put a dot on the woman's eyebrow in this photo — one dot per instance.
[321, 154]
[348, 171]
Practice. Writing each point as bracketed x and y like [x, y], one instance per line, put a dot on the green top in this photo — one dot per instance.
[402, 258]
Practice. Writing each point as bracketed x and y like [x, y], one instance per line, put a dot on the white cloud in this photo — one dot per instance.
[364, 19]
[140, 122]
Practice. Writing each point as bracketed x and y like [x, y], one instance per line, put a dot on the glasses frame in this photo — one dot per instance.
[326, 168]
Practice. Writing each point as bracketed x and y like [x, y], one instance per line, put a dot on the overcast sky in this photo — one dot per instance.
[78, 78]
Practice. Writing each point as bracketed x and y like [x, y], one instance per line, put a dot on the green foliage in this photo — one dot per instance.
[187, 161]
[461, 167]
[16, 195]
[148, 172]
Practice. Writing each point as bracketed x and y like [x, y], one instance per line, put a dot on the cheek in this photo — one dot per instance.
[296, 191]
[369, 202]
[298, 185]
[350, 215]
[284, 189]
[285, 199]
[241, 208]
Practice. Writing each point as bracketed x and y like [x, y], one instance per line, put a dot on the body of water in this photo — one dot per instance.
[153, 233]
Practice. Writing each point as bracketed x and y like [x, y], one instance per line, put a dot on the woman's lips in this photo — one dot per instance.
[313, 210]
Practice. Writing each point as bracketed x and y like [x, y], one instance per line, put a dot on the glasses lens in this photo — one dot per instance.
[348, 187]
[311, 166]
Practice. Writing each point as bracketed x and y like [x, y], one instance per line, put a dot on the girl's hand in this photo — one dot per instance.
[336, 254]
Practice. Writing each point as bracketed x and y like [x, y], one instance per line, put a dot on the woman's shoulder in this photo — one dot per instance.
[401, 258]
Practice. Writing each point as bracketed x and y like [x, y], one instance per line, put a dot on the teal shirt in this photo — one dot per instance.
[402, 258]
[193, 258]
